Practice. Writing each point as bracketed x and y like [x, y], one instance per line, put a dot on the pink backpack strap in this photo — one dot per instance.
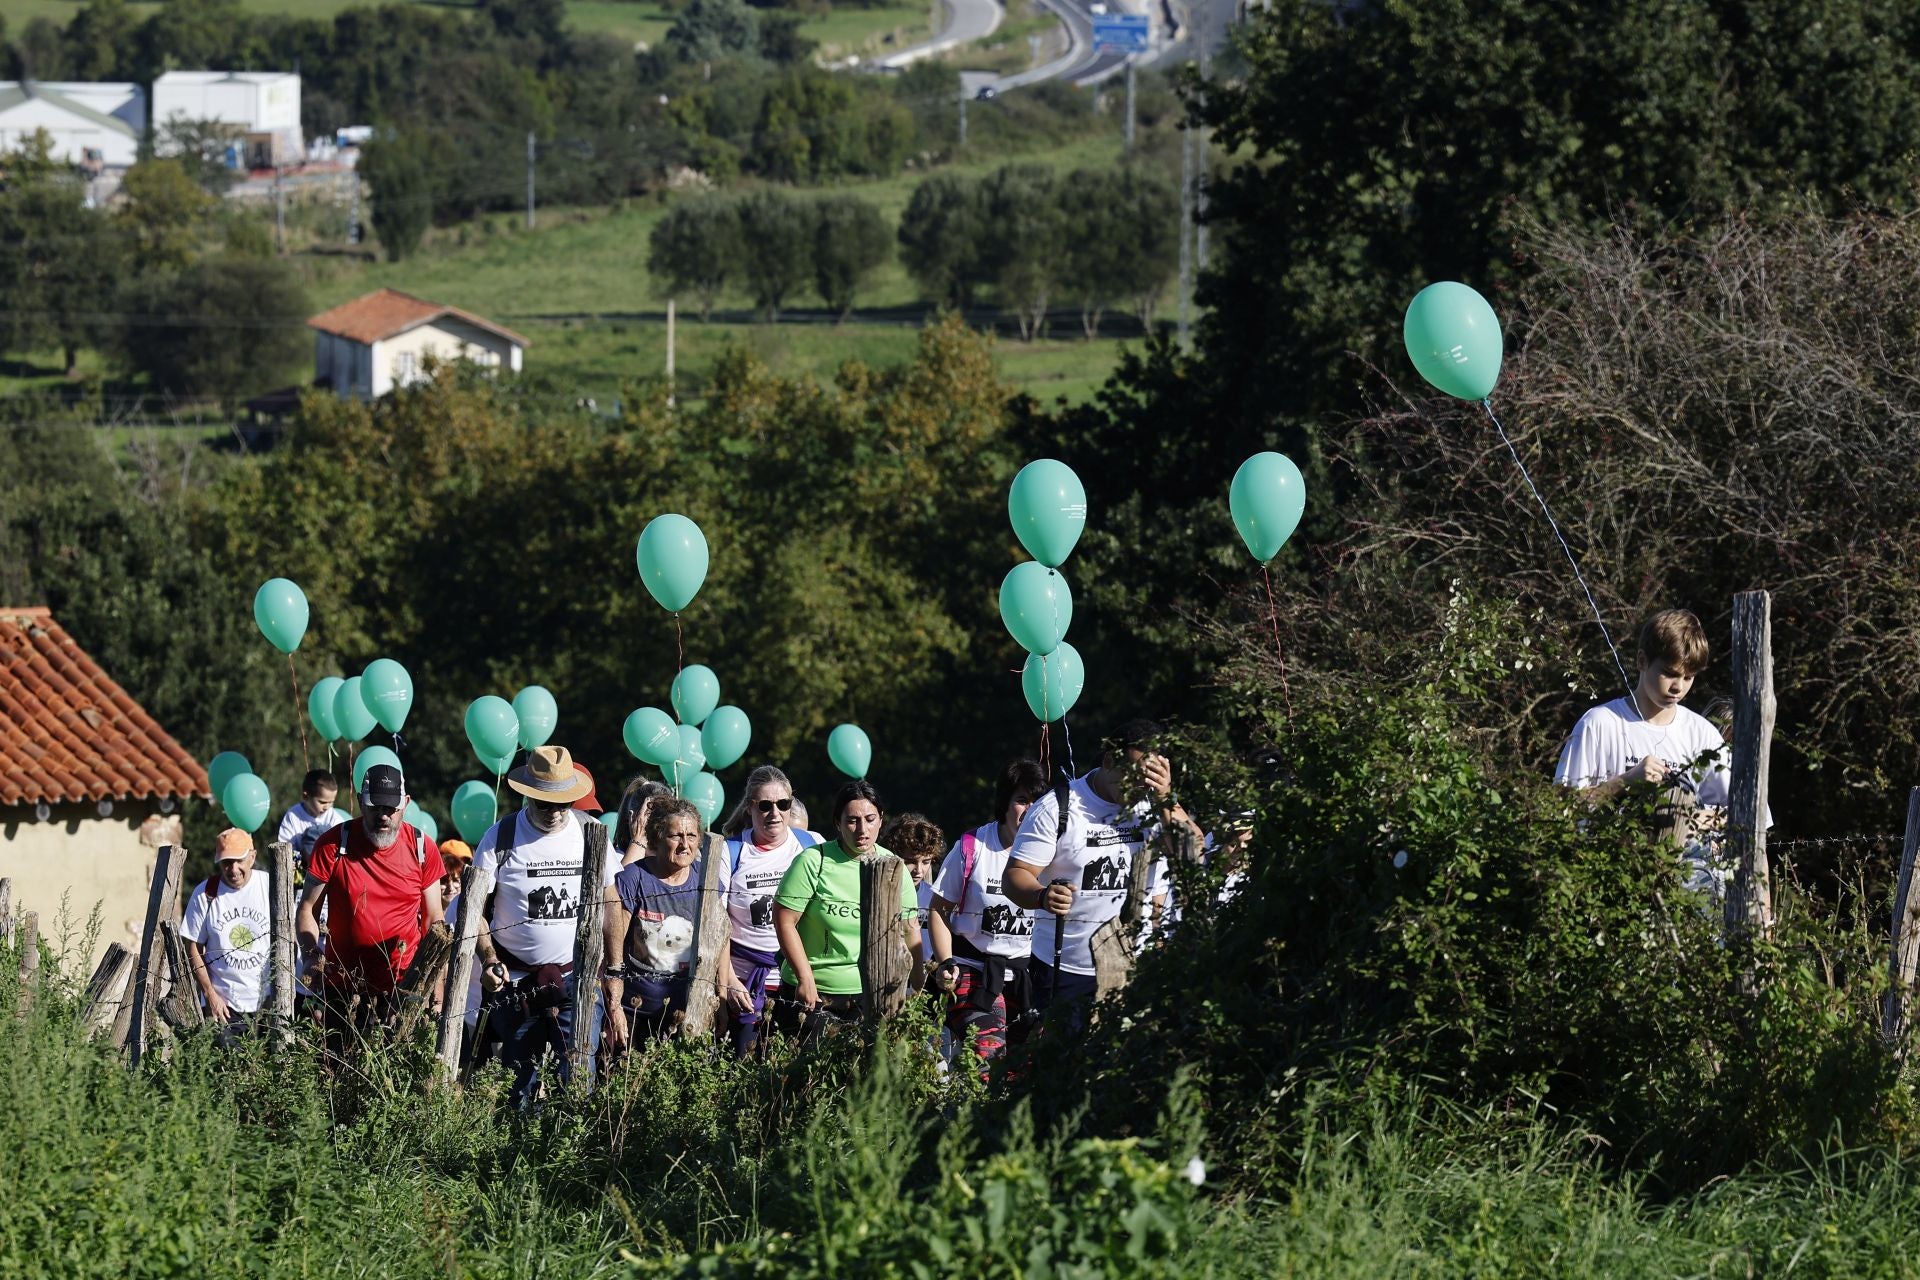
[969, 853]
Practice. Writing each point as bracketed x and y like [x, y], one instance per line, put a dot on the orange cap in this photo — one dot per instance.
[231, 844]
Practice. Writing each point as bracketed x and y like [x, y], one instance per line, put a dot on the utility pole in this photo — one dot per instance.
[353, 213]
[279, 213]
[669, 353]
[963, 116]
[1130, 58]
[530, 152]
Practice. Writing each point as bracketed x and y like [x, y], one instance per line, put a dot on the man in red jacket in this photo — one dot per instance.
[381, 877]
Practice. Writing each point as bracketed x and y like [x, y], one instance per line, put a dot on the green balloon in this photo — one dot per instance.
[1048, 507]
[280, 610]
[368, 758]
[691, 758]
[696, 692]
[497, 765]
[474, 810]
[538, 714]
[611, 821]
[850, 750]
[387, 690]
[423, 820]
[1037, 606]
[672, 556]
[725, 736]
[246, 800]
[492, 727]
[320, 707]
[1053, 683]
[706, 794]
[1266, 499]
[224, 768]
[350, 711]
[652, 737]
[1454, 340]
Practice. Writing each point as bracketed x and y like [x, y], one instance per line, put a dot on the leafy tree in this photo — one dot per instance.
[1147, 220]
[58, 257]
[1024, 255]
[941, 237]
[780, 40]
[223, 328]
[1099, 250]
[777, 238]
[709, 30]
[697, 248]
[164, 215]
[100, 39]
[200, 148]
[400, 186]
[850, 242]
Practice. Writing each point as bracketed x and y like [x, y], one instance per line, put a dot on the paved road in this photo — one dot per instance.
[967, 21]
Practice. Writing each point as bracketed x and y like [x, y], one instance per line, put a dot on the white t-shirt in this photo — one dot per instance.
[236, 929]
[750, 884]
[924, 892]
[300, 828]
[535, 893]
[1094, 854]
[982, 913]
[1612, 738]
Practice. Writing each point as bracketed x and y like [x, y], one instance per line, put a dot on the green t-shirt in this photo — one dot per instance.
[823, 885]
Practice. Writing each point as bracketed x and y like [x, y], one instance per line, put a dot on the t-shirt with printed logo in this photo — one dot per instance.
[750, 880]
[1093, 852]
[535, 890]
[235, 929]
[982, 913]
[823, 885]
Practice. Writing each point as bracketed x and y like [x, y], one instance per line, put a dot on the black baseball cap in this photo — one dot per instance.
[383, 786]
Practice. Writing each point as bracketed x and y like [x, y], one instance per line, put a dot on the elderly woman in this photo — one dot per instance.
[762, 843]
[816, 914]
[650, 928]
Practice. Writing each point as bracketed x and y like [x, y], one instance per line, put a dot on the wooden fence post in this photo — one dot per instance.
[589, 954]
[29, 958]
[1113, 942]
[885, 966]
[476, 885]
[181, 1008]
[284, 941]
[163, 898]
[710, 939]
[107, 990]
[1749, 910]
[6, 910]
[1904, 956]
[415, 994]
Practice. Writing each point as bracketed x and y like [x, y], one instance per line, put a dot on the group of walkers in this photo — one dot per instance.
[1002, 922]
[998, 923]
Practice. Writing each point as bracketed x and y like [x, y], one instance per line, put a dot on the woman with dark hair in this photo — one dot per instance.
[982, 940]
[650, 928]
[761, 844]
[816, 915]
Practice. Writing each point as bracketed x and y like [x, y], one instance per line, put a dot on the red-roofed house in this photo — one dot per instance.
[90, 786]
[365, 348]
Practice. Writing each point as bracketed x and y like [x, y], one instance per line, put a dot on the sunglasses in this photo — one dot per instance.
[768, 806]
[549, 806]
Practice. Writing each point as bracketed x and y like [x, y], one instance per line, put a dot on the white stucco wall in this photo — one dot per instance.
[446, 339]
[79, 858]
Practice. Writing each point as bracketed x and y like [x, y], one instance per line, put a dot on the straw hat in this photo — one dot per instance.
[549, 774]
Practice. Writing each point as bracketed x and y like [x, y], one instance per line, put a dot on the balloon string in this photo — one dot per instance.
[1555, 526]
[679, 647]
[1073, 770]
[354, 790]
[306, 761]
[1046, 757]
[1273, 616]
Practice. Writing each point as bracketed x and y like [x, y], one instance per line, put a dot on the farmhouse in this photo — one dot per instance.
[95, 126]
[365, 348]
[90, 786]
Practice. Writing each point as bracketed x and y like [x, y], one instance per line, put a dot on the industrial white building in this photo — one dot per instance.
[262, 108]
[97, 126]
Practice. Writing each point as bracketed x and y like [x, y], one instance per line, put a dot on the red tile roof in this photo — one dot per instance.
[69, 733]
[380, 315]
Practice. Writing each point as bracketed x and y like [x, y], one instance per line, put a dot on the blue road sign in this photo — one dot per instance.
[1121, 32]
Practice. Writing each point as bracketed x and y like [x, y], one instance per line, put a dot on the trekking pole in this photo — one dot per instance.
[1059, 934]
